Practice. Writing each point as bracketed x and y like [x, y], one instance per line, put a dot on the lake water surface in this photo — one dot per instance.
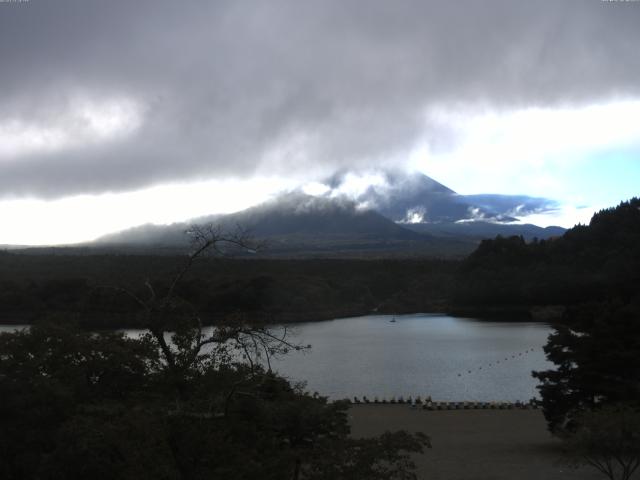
[425, 354]
[445, 357]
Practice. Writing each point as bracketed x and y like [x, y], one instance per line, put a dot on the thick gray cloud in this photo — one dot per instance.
[235, 88]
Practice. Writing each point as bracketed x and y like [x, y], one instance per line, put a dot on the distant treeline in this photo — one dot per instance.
[87, 287]
[588, 263]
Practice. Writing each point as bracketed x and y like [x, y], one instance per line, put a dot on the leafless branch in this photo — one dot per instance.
[159, 308]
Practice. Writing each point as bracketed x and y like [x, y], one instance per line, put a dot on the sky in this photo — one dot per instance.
[114, 114]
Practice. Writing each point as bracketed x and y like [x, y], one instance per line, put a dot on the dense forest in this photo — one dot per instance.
[591, 262]
[32, 287]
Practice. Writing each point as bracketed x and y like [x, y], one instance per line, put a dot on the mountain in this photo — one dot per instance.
[155, 235]
[416, 198]
[299, 214]
[299, 224]
[406, 213]
[292, 214]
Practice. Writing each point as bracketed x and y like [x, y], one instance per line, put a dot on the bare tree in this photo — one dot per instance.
[176, 326]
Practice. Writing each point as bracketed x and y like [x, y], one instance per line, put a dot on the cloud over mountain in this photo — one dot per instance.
[416, 198]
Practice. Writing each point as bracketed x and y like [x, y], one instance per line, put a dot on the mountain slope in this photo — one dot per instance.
[417, 198]
[296, 224]
[290, 214]
[300, 214]
[409, 213]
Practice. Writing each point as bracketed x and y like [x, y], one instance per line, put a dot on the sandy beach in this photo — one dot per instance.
[474, 444]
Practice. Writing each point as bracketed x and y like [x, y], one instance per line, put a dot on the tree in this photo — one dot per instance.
[596, 352]
[53, 374]
[608, 439]
[167, 315]
[180, 402]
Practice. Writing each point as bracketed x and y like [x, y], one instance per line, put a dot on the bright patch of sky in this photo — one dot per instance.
[356, 184]
[86, 217]
[315, 189]
[586, 158]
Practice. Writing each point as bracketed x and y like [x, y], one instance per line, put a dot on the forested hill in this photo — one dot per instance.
[86, 287]
[588, 263]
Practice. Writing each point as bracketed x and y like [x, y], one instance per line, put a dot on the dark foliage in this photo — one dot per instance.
[596, 354]
[608, 439]
[177, 403]
[83, 405]
[588, 263]
[33, 287]
[596, 347]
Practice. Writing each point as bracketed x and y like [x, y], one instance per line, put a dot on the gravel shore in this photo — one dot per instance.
[474, 444]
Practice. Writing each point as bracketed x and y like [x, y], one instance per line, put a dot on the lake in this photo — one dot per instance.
[425, 354]
[448, 358]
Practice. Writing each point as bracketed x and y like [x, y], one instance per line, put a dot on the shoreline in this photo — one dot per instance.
[539, 314]
[428, 404]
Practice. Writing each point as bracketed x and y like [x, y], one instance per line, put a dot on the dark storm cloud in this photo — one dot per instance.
[285, 87]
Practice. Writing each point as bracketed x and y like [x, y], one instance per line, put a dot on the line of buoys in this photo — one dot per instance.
[392, 400]
[532, 404]
[428, 404]
[497, 362]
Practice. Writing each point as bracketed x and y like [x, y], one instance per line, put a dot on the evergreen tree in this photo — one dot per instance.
[595, 352]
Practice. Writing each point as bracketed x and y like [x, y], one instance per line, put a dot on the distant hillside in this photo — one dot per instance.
[291, 214]
[148, 235]
[588, 263]
[296, 224]
[481, 230]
